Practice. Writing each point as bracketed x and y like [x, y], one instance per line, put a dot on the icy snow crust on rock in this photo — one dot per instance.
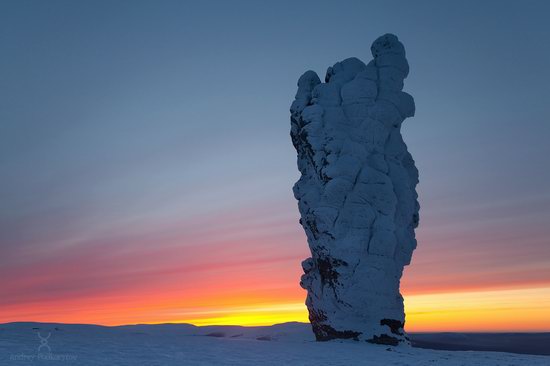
[356, 194]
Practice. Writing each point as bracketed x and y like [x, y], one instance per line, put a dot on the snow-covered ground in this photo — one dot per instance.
[183, 344]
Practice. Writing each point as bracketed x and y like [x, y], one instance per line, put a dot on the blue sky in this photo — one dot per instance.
[129, 117]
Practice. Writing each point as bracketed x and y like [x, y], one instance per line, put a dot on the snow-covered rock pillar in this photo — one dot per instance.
[356, 194]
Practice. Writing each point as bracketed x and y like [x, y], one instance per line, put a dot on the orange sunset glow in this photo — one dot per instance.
[231, 280]
[150, 150]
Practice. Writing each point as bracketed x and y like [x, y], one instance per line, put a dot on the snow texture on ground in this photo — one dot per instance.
[183, 344]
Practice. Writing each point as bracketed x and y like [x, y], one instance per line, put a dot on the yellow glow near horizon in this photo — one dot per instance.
[492, 311]
[252, 315]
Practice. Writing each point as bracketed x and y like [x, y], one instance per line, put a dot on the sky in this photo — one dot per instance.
[146, 165]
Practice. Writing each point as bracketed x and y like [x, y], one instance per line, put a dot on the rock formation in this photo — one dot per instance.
[356, 194]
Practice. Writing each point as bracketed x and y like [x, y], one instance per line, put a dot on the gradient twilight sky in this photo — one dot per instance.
[146, 165]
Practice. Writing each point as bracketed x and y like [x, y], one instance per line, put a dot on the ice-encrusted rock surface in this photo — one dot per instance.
[356, 194]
